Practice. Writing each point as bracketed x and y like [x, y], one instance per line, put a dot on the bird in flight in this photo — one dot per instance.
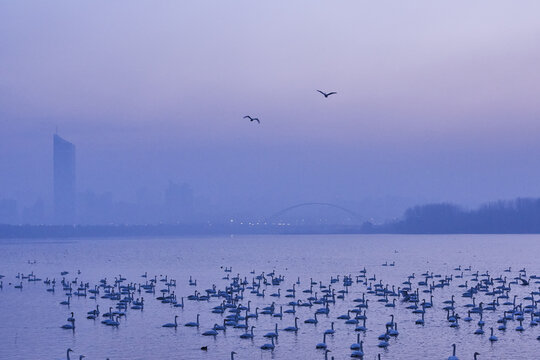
[252, 118]
[327, 94]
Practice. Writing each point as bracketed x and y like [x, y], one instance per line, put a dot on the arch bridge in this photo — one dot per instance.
[276, 215]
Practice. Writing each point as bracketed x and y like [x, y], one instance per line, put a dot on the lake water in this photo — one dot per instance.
[31, 317]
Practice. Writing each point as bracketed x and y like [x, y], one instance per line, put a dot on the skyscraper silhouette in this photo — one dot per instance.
[64, 181]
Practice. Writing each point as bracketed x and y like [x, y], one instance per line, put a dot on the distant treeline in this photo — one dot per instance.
[517, 216]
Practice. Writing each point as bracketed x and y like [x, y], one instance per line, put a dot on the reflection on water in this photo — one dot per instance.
[31, 317]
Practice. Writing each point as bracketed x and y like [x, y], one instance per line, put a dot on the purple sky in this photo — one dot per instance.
[436, 101]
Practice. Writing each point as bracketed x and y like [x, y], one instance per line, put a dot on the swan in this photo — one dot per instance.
[269, 346]
[69, 326]
[361, 327]
[172, 325]
[272, 334]
[420, 321]
[394, 331]
[212, 332]
[479, 331]
[232, 355]
[181, 304]
[453, 357]
[345, 317]
[391, 322]
[323, 344]
[247, 335]
[113, 322]
[254, 315]
[383, 344]
[326, 354]
[66, 302]
[358, 351]
[109, 314]
[492, 337]
[481, 322]
[330, 331]
[94, 312]
[193, 324]
[312, 321]
[358, 344]
[293, 328]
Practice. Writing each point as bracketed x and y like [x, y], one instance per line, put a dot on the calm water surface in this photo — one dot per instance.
[30, 318]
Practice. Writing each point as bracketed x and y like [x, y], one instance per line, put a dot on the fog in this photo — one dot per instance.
[433, 105]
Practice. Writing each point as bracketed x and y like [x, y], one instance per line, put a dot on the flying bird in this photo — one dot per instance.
[327, 94]
[252, 118]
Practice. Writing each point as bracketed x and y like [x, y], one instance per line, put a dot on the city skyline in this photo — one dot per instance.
[430, 107]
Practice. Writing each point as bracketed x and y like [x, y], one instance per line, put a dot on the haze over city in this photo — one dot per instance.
[272, 180]
[437, 102]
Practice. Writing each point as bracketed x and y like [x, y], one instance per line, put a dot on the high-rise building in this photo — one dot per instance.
[64, 181]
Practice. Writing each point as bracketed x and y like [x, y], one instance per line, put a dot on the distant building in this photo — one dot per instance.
[8, 211]
[95, 209]
[64, 181]
[178, 203]
[35, 214]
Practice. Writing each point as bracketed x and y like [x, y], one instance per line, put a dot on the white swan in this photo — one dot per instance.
[172, 325]
[453, 357]
[269, 346]
[193, 324]
[323, 344]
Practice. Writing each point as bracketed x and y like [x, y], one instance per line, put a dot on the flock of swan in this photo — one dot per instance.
[234, 301]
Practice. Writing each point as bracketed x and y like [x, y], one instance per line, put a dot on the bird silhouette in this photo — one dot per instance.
[204, 348]
[252, 118]
[327, 94]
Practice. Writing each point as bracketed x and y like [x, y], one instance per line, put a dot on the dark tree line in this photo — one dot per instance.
[521, 215]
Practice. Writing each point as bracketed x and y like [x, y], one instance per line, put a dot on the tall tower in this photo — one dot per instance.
[64, 181]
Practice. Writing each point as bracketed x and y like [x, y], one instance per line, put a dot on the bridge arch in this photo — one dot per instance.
[309, 204]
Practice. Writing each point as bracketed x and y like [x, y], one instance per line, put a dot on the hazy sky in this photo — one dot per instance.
[436, 100]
